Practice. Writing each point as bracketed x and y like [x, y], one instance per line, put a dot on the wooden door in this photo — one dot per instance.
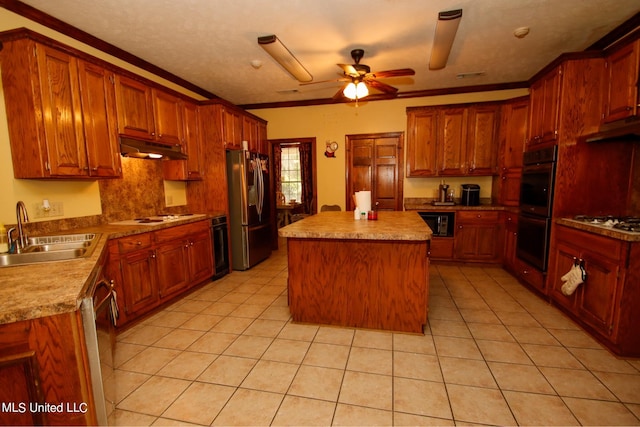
[135, 108]
[200, 256]
[375, 163]
[172, 267]
[100, 122]
[62, 112]
[139, 281]
[551, 105]
[596, 300]
[422, 142]
[621, 90]
[482, 143]
[168, 114]
[452, 141]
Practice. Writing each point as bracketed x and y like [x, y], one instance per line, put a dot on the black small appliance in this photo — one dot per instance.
[470, 195]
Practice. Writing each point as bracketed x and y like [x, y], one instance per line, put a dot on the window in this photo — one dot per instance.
[290, 175]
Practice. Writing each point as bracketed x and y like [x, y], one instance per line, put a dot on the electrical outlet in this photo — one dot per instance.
[37, 211]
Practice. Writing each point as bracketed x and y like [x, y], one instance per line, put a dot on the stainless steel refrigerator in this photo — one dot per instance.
[249, 208]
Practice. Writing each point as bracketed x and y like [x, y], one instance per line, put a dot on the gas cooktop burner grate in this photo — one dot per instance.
[625, 223]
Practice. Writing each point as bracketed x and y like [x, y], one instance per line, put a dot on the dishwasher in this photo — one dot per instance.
[219, 235]
[99, 310]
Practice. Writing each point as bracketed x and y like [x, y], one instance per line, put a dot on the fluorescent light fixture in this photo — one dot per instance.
[446, 29]
[356, 91]
[284, 57]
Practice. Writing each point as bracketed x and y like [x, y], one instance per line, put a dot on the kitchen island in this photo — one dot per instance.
[368, 274]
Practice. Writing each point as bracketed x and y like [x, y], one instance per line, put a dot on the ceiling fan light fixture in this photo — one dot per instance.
[284, 57]
[356, 91]
[446, 29]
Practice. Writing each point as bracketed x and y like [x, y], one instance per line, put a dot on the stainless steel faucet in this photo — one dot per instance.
[22, 237]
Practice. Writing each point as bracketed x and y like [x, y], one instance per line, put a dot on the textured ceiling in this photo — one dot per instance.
[211, 43]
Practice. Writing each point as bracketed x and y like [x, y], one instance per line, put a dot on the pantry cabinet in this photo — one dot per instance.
[55, 123]
[452, 140]
[157, 266]
[606, 304]
[478, 236]
[545, 95]
[620, 92]
[514, 128]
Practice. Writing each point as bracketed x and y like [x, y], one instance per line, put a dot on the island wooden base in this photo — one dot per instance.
[373, 284]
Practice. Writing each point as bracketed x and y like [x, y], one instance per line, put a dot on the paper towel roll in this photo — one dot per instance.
[363, 200]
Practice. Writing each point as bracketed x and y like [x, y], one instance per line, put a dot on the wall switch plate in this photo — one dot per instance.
[38, 211]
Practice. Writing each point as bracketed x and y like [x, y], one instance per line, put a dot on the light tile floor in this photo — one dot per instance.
[493, 354]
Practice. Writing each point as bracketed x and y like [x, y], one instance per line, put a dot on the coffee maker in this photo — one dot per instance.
[444, 197]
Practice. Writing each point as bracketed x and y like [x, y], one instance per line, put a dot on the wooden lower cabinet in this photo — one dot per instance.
[43, 361]
[157, 266]
[478, 236]
[606, 304]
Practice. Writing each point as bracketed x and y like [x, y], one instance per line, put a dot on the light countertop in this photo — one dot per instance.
[390, 225]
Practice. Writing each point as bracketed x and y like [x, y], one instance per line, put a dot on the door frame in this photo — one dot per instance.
[314, 171]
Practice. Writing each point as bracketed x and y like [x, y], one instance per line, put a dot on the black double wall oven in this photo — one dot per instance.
[536, 203]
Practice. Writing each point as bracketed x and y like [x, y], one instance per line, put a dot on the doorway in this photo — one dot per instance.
[294, 174]
[375, 163]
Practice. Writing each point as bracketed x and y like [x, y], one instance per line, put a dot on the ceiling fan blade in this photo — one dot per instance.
[342, 79]
[348, 69]
[400, 72]
[382, 87]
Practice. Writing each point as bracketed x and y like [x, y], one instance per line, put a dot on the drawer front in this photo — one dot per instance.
[477, 215]
[180, 231]
[134, 243]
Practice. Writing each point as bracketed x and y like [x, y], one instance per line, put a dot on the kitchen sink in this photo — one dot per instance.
[52, 248]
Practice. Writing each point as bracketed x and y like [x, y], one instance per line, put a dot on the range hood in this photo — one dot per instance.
[620, 130]
[141, 149]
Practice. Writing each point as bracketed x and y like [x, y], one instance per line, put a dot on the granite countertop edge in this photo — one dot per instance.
[390, 226]
[602, 231]
[32, 291]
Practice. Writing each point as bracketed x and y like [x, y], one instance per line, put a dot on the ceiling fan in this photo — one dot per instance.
[359, 78]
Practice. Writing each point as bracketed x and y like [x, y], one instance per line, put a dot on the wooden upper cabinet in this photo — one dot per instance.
[482, 142]
[168, 115]
[422, 128]
[251, 133]
[545, 109]
[62, 112]
[57, 110]
[190, 169]
[134, 102]
[231, 121]
[620, 98]
[452, 141]
[100, 120]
